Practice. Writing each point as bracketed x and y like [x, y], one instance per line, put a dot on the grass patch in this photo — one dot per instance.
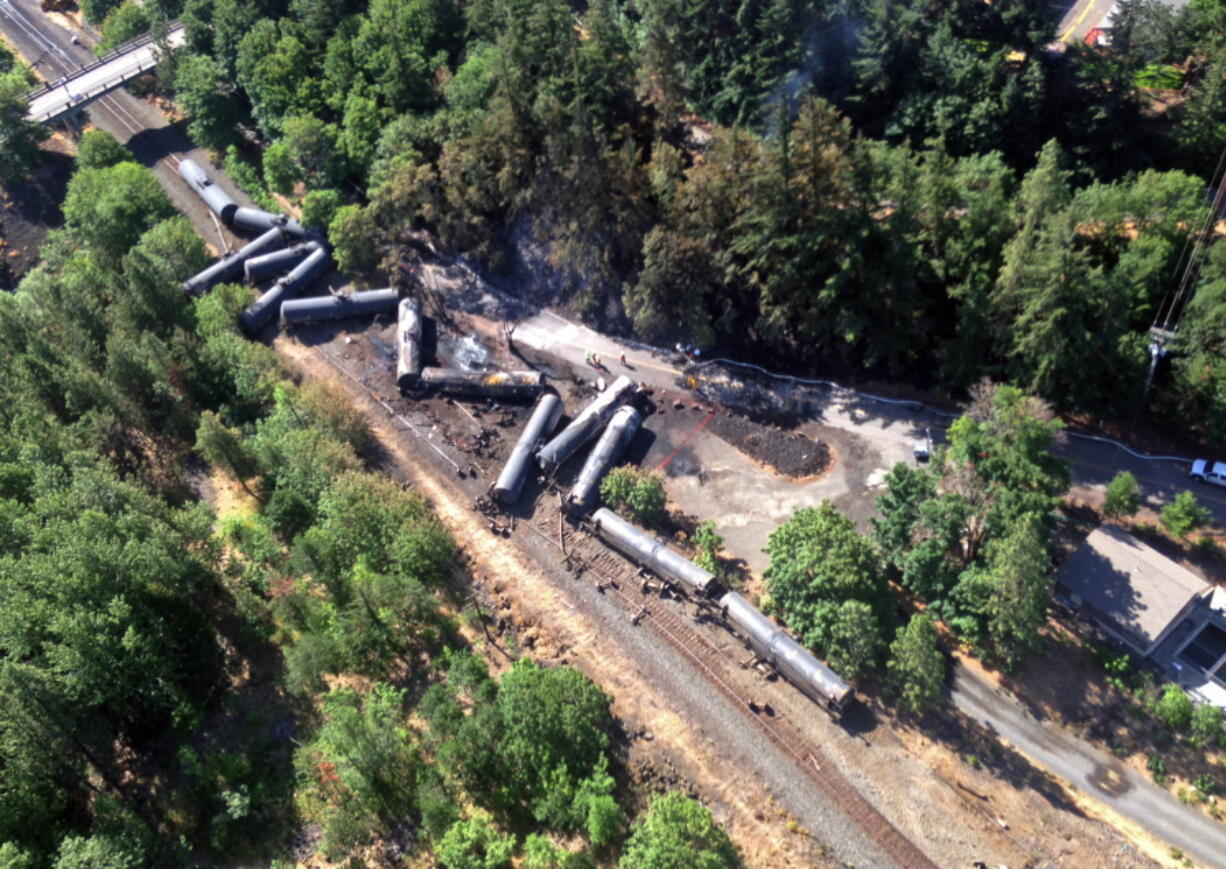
[1159, 77]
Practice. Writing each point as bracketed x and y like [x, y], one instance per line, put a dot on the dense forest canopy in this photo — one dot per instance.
[932, 192]
[186, 688]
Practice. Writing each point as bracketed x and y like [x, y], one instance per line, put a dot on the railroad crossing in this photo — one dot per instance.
[64, 96]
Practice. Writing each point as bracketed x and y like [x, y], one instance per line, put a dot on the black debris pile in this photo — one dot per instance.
[790, 454]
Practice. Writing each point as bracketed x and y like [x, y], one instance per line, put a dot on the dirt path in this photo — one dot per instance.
[558, 628]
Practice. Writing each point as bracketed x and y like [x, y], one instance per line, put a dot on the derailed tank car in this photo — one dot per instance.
[408, 344]
[265, 266]
[304, 274]
[642, 548]
[786, 655]
[218, 201]
[318, 309]
[484, 384]
[228, 268]
[617, 436]
[256, 220]
[541, 423]
[585, 426]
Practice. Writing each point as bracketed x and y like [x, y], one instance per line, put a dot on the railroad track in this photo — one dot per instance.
[616, 575]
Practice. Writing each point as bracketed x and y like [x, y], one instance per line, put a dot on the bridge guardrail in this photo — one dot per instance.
[126, 48]
[92, 94]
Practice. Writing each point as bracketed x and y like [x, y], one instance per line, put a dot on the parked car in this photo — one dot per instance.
[1206, 473]
[922, 447]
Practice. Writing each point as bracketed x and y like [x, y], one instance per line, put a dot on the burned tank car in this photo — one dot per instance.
[541, 423]
[585, 426]
[617, 436]
[408, 344]
[787, 656]
[484, 384]
[641, 548]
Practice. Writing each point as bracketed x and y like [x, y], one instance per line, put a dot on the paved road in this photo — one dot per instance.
[79, 89]
[1083, 16]
[1105, 778]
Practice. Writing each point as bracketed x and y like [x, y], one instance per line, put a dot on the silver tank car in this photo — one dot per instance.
[408, 344]
[303, 275]
[317, 309]
[541, 423]
[585, 426]
[218, 201]
[265, 266]
[641, 548]
[228, 268]
[256, 220]
[791, 659]
[617, 436]
[484, 384]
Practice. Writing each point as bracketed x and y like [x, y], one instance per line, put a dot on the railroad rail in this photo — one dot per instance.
[589, 554]
[613, 570]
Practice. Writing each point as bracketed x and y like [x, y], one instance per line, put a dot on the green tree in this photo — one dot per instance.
[1206, 725]
[99, 149]
[916, 666]
[202, 90]
[906, 489]
[854, 639]
[12, 857]
[1184, 515]
[677, 832]
[19, 138]
[818, 562]
[360, 764]
[224, 447]
[281, 173]
[708, 541]
[352, 233]
[554, 723]
[110, 208]
[474, 843]
[125, 22]
[1123, 496]
[96, 11]
[319, 207]
[1015, 592]
[1174, 708]
[99, 852]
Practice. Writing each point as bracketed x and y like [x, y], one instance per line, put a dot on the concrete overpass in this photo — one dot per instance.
[69, 94]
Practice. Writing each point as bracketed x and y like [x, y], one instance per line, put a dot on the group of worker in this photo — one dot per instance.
[594, 360]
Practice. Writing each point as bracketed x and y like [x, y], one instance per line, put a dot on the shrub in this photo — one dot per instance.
[1184, 515]
[1174, 708]
[1157, 768]
[1123, 496]
[1206, 725]
[639, 492]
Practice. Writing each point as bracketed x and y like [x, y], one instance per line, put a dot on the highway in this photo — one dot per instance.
[82, 87]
